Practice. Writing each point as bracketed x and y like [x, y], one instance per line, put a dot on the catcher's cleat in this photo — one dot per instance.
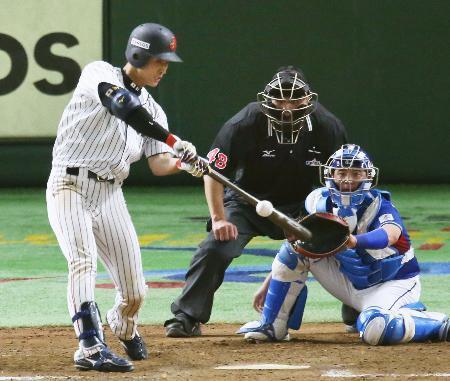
[444, 333]
[135, 348]
[182, 326]
[256, 332]
[101, 359]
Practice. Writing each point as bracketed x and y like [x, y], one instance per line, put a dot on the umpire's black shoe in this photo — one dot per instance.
[103, 360]
[182, 326]
[135, 348]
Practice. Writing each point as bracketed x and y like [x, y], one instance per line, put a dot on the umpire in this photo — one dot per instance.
[273, 148]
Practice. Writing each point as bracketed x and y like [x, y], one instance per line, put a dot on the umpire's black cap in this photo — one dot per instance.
[289, 70]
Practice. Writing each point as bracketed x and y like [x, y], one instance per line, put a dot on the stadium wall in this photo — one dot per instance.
[381, 67]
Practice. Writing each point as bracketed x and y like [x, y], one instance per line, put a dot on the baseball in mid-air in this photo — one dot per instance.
[264, 208]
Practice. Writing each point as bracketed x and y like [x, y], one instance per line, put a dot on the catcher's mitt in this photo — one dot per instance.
[330, 234]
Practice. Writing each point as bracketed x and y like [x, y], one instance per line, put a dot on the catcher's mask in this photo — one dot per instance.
[287, 101]
[349, 157]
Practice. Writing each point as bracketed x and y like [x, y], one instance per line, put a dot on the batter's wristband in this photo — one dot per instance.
[171, 139]
[376, 239]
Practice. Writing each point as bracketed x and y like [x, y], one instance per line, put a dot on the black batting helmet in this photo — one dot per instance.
[151, 40]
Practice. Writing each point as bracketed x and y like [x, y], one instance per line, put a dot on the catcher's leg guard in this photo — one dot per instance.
[269, 328]
[276, 295]
[382, 327]
[93, 354]
[296, 315]
[283, 294]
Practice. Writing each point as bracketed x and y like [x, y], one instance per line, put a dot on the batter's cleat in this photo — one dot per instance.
[101, 359]
[135, 348]
[182, 326]
[254, 331]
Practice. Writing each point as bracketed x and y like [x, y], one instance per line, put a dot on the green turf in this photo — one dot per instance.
[170, 218]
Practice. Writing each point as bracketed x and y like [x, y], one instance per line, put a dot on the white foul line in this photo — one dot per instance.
[349, 374]
[35, 378]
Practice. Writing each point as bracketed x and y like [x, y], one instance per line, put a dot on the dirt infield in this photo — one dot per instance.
[322, 351]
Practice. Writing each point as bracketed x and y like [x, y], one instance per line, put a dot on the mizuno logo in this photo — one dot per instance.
[313, 163]
[268, 153]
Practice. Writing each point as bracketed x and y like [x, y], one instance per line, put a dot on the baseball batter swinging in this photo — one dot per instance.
[110, 122]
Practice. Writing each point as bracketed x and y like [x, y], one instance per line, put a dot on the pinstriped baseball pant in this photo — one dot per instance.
[90, 220]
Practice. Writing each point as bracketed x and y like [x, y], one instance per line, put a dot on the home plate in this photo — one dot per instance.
[261, 366]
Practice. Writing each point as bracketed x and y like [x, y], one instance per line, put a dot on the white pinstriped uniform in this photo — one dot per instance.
[90, 218]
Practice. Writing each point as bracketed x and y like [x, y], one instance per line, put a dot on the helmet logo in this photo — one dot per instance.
[173, 44]
[139, 43]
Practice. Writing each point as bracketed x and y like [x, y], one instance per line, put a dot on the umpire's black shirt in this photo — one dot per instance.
[281, 173]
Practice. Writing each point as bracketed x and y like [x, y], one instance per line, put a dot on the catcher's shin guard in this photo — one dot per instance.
[383, 327]
[283, 309]
[296, 315]
[270, 327]
[275, 298]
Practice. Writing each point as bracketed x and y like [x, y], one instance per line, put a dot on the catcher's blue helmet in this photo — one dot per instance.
[349, 156]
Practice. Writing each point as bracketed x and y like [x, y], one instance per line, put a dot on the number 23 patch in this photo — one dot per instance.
[219, 159]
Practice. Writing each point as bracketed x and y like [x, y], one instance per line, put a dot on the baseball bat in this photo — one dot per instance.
[280, 219]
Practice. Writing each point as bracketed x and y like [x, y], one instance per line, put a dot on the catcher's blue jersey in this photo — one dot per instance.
[375, 211]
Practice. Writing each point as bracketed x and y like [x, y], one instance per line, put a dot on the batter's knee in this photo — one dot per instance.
[83, 265]
[383, 327]
[134, 301]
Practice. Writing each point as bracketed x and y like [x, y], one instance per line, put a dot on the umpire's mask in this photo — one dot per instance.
[287, 101]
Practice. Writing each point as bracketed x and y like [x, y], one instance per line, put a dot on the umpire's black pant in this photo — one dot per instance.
[212, 258]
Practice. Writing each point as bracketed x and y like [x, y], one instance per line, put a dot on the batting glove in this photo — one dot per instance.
[183, 147]
[197, 168]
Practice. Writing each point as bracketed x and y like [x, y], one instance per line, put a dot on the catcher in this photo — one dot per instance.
[374, 270]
